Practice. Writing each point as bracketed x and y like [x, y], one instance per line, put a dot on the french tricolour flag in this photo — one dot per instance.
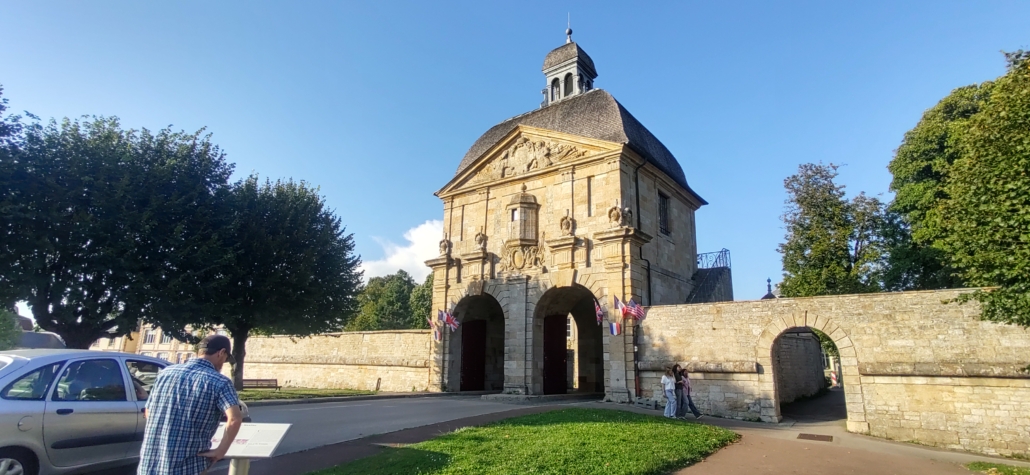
[615, 327]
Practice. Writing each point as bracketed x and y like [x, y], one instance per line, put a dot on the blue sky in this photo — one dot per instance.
[377, 102]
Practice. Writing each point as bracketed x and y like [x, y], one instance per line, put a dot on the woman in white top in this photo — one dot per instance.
[669, 386]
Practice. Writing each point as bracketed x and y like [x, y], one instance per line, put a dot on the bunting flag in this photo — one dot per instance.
[620, 308]
[450, 321]
[615, 327]
[599, 312]
[635, 310]
[436, 331]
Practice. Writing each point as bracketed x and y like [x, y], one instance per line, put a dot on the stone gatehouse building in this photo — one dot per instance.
[549, 212]
[577, 202]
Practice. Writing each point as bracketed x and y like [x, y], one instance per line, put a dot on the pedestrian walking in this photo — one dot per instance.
[686, 391]
[183, 411]
[669, 386]
[681, 400]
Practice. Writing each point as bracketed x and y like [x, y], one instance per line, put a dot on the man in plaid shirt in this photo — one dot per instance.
[183, 411]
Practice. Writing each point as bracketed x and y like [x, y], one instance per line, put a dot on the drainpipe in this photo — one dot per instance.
[636, 329]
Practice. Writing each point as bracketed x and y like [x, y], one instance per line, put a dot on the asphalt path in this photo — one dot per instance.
[319, 424]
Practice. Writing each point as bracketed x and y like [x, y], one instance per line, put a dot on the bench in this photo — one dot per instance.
[261, 384]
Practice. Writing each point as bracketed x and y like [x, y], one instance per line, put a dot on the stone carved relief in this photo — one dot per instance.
[526, 156]
[568, 225]
[620, 217]
[517, 258]
[481, 241]
[445, 247]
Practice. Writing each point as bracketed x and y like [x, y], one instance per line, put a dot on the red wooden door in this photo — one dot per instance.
[554, 355]
[473, 355]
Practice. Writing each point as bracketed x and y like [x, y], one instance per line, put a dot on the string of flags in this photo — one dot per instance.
[445, 318]
[629, 309]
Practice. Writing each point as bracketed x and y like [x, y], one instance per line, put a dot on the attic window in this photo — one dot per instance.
[568, 84]
[555, 89]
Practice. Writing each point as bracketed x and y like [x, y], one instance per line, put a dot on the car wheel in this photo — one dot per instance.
[17, 462]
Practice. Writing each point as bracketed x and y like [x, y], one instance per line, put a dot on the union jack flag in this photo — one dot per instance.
[598, 311]
[635, 310]
[450, 321]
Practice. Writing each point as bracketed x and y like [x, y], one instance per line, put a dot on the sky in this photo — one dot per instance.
[376, 103]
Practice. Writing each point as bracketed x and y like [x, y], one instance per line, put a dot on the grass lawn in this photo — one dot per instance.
[580, 441]
[298, 393]
[997, 469]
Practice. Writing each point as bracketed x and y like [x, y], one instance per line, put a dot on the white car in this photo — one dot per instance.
[72, 410]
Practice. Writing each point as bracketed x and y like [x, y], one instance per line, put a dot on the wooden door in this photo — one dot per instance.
[473, 355]
[555, 371]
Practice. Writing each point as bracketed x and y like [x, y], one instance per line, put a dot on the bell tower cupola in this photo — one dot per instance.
[569, 72]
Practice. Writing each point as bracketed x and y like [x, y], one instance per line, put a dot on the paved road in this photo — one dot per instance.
[318, 424]
[315, 425]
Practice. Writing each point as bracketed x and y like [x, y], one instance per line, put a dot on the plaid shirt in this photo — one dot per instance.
[183, 410]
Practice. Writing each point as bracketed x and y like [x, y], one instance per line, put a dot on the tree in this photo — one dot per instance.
[10, 134]
[833, 245]
[986, 218]
[10, 331]
[920, 167]
[103, 226]
[422, 303]
[385, 304]
[290, 270]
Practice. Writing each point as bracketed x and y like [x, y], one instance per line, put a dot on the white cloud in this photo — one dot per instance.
[423, 244]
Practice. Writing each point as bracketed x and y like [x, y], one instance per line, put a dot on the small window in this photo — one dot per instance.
[143, 375]
[568, 327]
[555, 89]
[569, 82]
[162, 356]
[165, 338]
[663, 213]
[148, 337]
[32, 386]
[91, 380]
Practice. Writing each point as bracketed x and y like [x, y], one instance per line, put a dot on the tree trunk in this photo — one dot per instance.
[239, 351]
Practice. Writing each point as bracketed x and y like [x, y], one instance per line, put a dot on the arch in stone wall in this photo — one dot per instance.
[475, 351]
[554, 305]
[769, 400]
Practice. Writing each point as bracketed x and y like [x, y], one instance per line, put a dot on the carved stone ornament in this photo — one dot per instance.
[481, 241]
[526, 156]
[615, 216]
[445, 247]
[517, 258]
[567, 225]
[627, 216]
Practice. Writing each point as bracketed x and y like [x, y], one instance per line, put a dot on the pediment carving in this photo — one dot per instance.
[525, 156]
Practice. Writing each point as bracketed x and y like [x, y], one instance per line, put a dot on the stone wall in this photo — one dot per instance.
[798, 366]
[352, 360]
[914, 366]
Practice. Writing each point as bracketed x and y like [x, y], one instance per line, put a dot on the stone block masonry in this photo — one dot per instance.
[914, 366]
[352, 360]
[798, 366]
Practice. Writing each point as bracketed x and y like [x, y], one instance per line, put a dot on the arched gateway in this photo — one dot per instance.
[550, 214]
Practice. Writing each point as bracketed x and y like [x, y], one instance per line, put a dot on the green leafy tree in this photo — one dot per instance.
[422, 303]
[920, 169]
[985, 221]
[102, 227]
[385, 303]
[290, 268]
[10, 135]
[833, 245]
[10, 331]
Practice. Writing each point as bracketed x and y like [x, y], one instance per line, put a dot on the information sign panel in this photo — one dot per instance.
[254, 440]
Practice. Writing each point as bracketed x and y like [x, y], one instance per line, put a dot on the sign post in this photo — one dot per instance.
[253, 441]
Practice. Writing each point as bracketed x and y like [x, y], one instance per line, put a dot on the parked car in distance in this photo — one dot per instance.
[67, 411]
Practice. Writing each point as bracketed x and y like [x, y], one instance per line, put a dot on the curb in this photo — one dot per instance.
[315, 400]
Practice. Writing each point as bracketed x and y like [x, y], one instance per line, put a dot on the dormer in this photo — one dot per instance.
[569, 71]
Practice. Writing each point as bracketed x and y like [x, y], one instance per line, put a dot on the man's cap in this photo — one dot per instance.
[214, 343]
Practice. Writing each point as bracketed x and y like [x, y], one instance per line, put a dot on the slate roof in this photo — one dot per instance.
[566, 52]
[594, 114]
